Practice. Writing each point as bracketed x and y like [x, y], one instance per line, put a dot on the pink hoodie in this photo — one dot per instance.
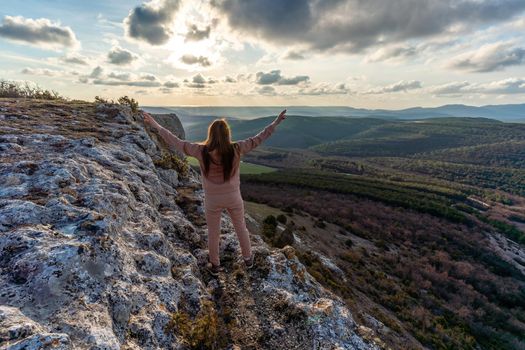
[214, 184]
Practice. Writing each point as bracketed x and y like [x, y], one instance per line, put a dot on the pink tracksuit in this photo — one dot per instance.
[219, 195]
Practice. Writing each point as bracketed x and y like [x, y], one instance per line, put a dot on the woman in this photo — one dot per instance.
[219, 161]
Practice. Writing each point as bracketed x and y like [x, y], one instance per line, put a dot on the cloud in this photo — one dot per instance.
[119, 76]
[353, 25]
[149, 77]
[294, 80]
[294, 55]
[97, 72]
[268, 78]
[401, 86]
[150, 22]
[489, 58]
[126, 83]
[74, 60]
[171, 84]
[229, 79]
[266, 90]
[504, 86]
[391, 53]
[120, 56]
[196, 34]
[39, 71]
[198, 81]
[39, 32]
[98, 77]
[191, 59]
[453, 88]
[275, 77]
[325, 89]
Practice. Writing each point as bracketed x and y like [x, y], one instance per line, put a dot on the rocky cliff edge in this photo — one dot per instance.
[103, 243]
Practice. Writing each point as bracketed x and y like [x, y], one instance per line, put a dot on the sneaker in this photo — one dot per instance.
[214, 269]
[248, 263]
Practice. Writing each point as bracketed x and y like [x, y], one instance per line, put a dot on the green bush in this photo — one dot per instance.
[281, 218]
[103, 100]
[284, 238]
[11, 89]
[202, 332]
[171, 161]
[270, 220]
[131, 102]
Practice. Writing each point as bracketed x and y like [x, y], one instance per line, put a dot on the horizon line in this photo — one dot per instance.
[328, 106]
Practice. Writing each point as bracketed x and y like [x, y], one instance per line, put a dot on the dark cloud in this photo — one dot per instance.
[268, 78]
[151, 21]
[196, 34]
[489, 58]
[37, 31]
[352, 25]
[275, 77]
[120, 56]
[229, 79]
[200, 60]
[402, 86]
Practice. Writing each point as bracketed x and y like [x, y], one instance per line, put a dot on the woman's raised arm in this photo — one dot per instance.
[250, 143]
[183, 146]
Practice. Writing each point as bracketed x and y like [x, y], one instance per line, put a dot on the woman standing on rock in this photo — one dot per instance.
[219, 160]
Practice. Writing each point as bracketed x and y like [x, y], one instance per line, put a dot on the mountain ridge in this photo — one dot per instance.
[503, 112]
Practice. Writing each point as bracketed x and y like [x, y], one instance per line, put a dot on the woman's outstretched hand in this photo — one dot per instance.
[281, 116]
[148, 120]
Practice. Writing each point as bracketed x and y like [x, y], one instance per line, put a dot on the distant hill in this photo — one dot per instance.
[512, 112]
[296, 131]
[508, 112]
[399, 138]
[372, 136]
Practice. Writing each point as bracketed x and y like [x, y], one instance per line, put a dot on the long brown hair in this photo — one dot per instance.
[219, 137]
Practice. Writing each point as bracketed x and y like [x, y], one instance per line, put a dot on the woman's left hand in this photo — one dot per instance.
[148, 119]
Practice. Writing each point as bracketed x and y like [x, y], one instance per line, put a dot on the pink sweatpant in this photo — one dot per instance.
[214, 205]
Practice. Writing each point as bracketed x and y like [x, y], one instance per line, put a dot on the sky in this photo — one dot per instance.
[368, 54]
